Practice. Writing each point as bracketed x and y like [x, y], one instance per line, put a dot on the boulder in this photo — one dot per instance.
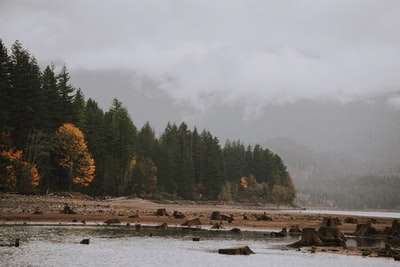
[244, 250]
[85, 241]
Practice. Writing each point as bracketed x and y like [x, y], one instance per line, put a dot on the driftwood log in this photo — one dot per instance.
[244, 250]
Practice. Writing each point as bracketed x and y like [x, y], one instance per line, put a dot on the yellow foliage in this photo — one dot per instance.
[73, 154]
[18, 169]
[243, 182]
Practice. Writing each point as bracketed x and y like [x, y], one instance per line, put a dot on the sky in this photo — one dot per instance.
[246, 55]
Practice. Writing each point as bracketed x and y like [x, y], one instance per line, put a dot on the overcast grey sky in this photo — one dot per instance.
[245, 52]
[322, 72]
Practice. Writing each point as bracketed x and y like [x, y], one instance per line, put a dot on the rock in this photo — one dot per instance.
[85, 241]
[244, 250]
[112, 221]
[178, 215]
[192, 222]
[236, 230]
[161, 212]
[196, 238]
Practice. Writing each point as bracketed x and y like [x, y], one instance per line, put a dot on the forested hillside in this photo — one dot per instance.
[338, 180]
[53, 139]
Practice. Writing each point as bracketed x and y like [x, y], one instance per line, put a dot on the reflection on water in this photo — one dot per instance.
[122, 246]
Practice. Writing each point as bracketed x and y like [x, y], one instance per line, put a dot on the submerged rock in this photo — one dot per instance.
[85, 241]
[244, 250]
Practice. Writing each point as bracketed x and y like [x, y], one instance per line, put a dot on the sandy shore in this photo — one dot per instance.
[17, 209]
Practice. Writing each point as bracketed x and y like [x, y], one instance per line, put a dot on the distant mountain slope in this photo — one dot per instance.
[337, 180]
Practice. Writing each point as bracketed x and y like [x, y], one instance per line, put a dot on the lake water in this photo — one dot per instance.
[123, 246]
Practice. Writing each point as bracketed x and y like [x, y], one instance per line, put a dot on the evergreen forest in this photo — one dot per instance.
[54, 140]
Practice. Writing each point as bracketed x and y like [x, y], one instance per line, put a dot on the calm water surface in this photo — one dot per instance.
[122, 246]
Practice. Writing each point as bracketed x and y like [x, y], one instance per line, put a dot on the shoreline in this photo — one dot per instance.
[38, 210]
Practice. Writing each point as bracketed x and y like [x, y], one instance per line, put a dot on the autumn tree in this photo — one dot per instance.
[16, 174]
[73, 156]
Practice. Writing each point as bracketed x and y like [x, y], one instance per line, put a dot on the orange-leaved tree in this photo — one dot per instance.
[15, 172]
[73, 155]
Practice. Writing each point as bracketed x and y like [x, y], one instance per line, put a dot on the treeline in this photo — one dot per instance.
[367, 192]
[52, 139]
[338, 180]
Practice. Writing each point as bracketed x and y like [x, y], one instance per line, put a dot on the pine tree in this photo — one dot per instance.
[168, 163]
[121, 146]
[185, 175]
[78, 108]
[5, 87]
[52, 115]
[96, 136]
[25, 98]
[65, 94]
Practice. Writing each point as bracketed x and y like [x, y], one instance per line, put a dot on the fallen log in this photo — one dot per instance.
[244, 250]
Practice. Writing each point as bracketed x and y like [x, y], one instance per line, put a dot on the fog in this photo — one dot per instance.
[321, 73]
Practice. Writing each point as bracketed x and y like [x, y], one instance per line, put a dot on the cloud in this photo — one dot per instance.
[252, 53]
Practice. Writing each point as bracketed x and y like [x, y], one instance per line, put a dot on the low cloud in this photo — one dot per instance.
[237, 52]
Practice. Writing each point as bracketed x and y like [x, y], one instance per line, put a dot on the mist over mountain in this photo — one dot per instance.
[366, 130]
